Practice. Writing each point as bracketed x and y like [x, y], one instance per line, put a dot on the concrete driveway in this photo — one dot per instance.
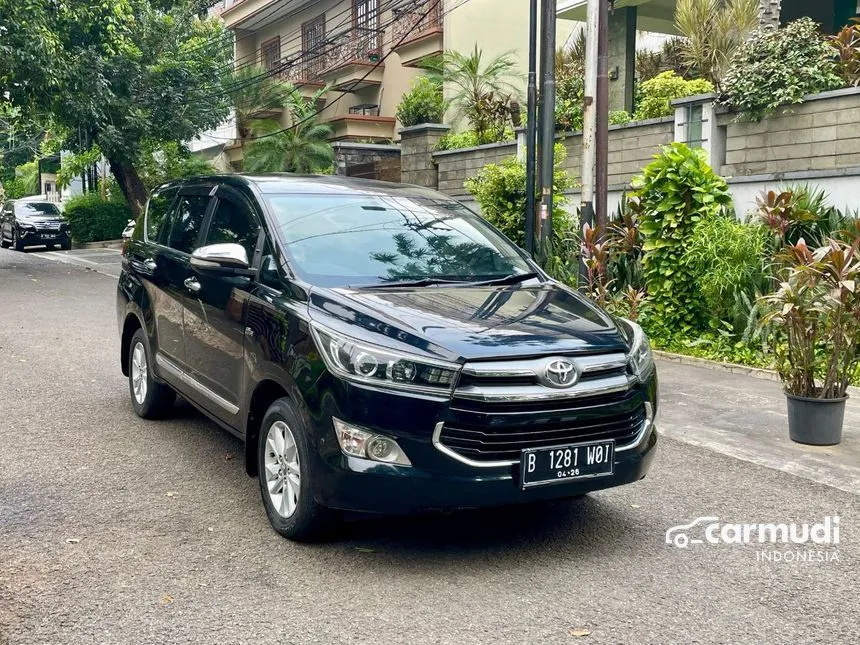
[118, 530]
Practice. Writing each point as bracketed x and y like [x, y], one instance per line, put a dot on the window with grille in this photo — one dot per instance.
[270, 53]
[695, 122]
[365, 18]
[313, 45]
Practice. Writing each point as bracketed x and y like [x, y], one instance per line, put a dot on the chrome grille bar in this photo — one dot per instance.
[514, 393]
[533, 366]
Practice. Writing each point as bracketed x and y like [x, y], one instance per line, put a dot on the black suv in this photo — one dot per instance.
[379, 347]
[29, 222]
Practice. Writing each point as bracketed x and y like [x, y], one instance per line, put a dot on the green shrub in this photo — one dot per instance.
[92, 219]
[778, 67]
[655, 95]
[676, 192]
[569, 98]
[467, 139]
[423, 103]
[730, 259]
[500, 191]
[620, 117]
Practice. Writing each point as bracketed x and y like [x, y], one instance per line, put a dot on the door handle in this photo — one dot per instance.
[150, 264]
[192, 285]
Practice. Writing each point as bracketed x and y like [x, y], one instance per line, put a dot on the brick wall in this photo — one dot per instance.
[819, 135]
[631, 147]
[455, 166]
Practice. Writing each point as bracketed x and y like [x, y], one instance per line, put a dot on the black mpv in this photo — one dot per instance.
[379, 347]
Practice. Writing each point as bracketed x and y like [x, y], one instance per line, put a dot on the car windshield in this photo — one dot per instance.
[378, 240]
[36, 209]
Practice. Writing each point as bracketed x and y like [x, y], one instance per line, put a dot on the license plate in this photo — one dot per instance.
[47, 236]
[539, 466]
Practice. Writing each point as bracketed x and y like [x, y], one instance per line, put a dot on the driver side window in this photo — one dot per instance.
[232, 223]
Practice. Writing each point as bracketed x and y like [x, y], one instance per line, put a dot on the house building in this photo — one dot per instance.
[369, 51]
[630, 17]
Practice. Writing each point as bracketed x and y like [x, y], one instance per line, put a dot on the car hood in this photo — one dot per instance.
[463, 323]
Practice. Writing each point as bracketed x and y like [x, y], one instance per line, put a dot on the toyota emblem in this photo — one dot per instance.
[560, 373]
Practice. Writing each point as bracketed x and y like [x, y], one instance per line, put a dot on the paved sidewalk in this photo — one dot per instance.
[745, 417]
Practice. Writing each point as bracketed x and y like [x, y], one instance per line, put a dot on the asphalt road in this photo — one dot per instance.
[117, 530]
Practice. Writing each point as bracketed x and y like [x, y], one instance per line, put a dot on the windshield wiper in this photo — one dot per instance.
[514, 278]
[423, 282]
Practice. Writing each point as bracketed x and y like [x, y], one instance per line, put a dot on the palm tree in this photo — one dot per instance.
[479, 88]
[714, 30]
[302, 148]
[254, 93]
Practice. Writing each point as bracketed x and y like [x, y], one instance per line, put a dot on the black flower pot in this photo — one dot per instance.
[817, 422]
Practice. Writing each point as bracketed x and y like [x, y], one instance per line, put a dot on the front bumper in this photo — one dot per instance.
[438, 480]
[364, 486]
[38, 238]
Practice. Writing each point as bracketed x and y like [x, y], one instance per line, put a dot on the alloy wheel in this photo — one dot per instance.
[139, 373]
[283, 471]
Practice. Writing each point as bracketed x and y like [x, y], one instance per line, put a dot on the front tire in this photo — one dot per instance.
[286, 485]
[150, 399]
[16, 241]
[3, 243]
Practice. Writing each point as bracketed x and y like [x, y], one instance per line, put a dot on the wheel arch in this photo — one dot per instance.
[130, 325]
[265, 393]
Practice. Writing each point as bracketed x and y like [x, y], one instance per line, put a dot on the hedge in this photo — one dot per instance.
[92, 219]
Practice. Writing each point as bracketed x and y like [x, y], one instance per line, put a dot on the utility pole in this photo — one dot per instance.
[601, 217]
[531, 130]
[589, 116]
[547, 120]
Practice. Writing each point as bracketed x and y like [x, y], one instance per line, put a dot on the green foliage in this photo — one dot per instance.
[92, 219]
[302, 148]
[125, 72]
[655, 95]
[254, 92]
[619, 117]
[467, 139]
[423, 103]
[500, 191]
[776, 67]
[676, 192]
[481, 90]
[713, 31]
[160, 164]
[729, 258]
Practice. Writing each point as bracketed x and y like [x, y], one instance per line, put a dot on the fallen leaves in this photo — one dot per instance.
[579, 632]
[172, 493]
[73, 540]
[167, 600]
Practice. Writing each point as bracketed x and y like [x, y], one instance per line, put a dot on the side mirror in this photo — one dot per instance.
[223, 258]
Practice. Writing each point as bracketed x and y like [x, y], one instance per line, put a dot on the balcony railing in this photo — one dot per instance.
[305, 69]
[361, 45]
[365, 109]
[411, 22]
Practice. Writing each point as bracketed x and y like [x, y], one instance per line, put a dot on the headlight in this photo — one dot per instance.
[368, 445]
[640, 359]
[26, 227]
[367, 364]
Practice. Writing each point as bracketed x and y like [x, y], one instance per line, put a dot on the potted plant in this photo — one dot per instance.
[815, 315]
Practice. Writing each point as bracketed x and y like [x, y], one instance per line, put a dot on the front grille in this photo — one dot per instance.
[498, 410]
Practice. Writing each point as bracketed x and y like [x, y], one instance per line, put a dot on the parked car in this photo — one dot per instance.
[33, 222]
[379, 348]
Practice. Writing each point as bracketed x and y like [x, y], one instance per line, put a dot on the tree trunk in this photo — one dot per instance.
[131, 185]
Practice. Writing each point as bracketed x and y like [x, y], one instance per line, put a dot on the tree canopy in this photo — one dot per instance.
[125, 75]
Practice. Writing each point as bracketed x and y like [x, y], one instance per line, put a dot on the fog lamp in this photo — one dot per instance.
[364, 444]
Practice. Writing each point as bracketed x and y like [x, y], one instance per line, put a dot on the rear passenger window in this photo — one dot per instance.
[235, 224]
[156, 211]
[187, 222]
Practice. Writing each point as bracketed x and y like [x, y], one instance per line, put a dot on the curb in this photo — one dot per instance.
[734, 368]
[106, 244]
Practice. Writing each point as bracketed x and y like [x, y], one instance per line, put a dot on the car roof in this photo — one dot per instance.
[286, 183]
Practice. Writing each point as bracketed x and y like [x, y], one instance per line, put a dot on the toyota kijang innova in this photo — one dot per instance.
[379, 348]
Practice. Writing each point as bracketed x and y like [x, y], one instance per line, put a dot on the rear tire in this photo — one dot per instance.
[3, 243]
[65, 246]
[16, 241]
[150, 399]
[286, 484]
